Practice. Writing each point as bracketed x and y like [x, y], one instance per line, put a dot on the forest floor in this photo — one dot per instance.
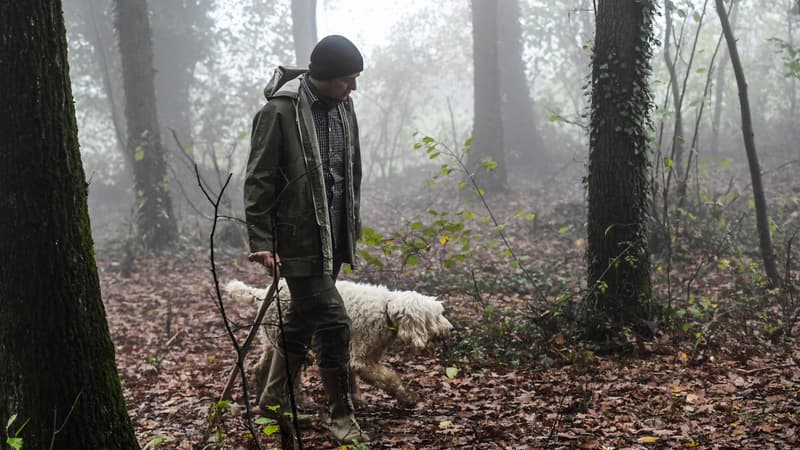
[712, 379]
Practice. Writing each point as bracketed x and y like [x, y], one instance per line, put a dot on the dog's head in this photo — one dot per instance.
[418, 318]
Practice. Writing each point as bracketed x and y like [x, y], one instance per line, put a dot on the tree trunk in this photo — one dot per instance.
[58, 370]
[792, 80]
[618, 190]
[762, 221]
[719, 91]
[97, 29]
[676, 154]
[304, 30]
[157, 225]
[488, 126]
[179, 42]
[520, 134]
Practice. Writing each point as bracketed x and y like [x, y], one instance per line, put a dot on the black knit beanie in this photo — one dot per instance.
[333, 57]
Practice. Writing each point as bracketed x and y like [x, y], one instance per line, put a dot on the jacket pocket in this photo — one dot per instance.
[298, 236]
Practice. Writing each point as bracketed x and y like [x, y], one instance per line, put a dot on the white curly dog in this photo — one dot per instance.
[379, 318]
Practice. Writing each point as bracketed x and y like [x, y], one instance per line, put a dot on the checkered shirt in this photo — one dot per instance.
[330, 136]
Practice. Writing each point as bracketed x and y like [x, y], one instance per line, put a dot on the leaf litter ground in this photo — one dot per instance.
[174, 355]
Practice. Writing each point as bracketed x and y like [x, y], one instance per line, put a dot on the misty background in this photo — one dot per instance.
[212, 59]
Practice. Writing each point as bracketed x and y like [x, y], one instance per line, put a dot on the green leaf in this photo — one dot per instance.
[11, 421]
[269, 430]
[14, 442]
[138, 154]
[451, 372]
[468, 142]
[725, 162]
[553, 118]
[370, 259]
[156, 442]
[412, 260]
[416, 226]
[696, 16]
[563, 230]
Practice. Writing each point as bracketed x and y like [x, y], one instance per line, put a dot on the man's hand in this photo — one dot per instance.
[266, 258]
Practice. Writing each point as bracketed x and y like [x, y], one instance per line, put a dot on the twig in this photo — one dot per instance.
[64, 423]
[239, 352]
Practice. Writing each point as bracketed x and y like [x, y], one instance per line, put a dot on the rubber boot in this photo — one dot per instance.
[275, 402]
[343, 422]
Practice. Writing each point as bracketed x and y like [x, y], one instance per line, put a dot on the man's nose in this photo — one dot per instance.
[353, 85]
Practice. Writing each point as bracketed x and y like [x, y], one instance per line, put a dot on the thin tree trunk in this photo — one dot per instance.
[677, 136]
[179, 42]
[618, 190]
[762, 220]
[488, 124]
[101, 42]
[58, 371]
[719, 90]
[304, 29]
[156, 222]
[520, 134]
[792, 80]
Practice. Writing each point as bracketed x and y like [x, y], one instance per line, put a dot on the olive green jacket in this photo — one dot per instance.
[284, 191]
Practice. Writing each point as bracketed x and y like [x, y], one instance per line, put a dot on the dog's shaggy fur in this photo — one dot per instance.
[379, 317]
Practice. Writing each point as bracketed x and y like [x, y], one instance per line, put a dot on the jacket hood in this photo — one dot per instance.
[285, 82]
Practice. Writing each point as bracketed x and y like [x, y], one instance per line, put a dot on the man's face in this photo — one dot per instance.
[339, 88]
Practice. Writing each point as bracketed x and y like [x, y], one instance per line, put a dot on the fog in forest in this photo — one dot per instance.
[213, 58]
[564, 224]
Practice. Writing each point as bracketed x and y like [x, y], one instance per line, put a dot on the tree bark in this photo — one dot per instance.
[58, 370]
[304, 30]
[488, 124]
[618, 191]
[520, 134]
[157, 227]
[762, 221]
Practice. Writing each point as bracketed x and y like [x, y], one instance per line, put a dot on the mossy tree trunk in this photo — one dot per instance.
[304, 30]
[488, 124]
[58, 370]
[617, 183]
[156, 222]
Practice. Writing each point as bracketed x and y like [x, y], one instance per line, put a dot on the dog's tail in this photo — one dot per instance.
[244, 293]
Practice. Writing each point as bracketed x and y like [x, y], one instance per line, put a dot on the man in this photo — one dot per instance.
[301, 196]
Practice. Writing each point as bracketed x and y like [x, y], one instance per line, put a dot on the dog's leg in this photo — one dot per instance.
[355, 394]
[261, 369]
[389, 381]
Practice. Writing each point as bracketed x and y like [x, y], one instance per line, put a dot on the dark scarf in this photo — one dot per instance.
[324, 101]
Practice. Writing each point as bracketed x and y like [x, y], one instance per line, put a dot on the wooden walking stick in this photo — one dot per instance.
[214, 415]
[262, 310]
